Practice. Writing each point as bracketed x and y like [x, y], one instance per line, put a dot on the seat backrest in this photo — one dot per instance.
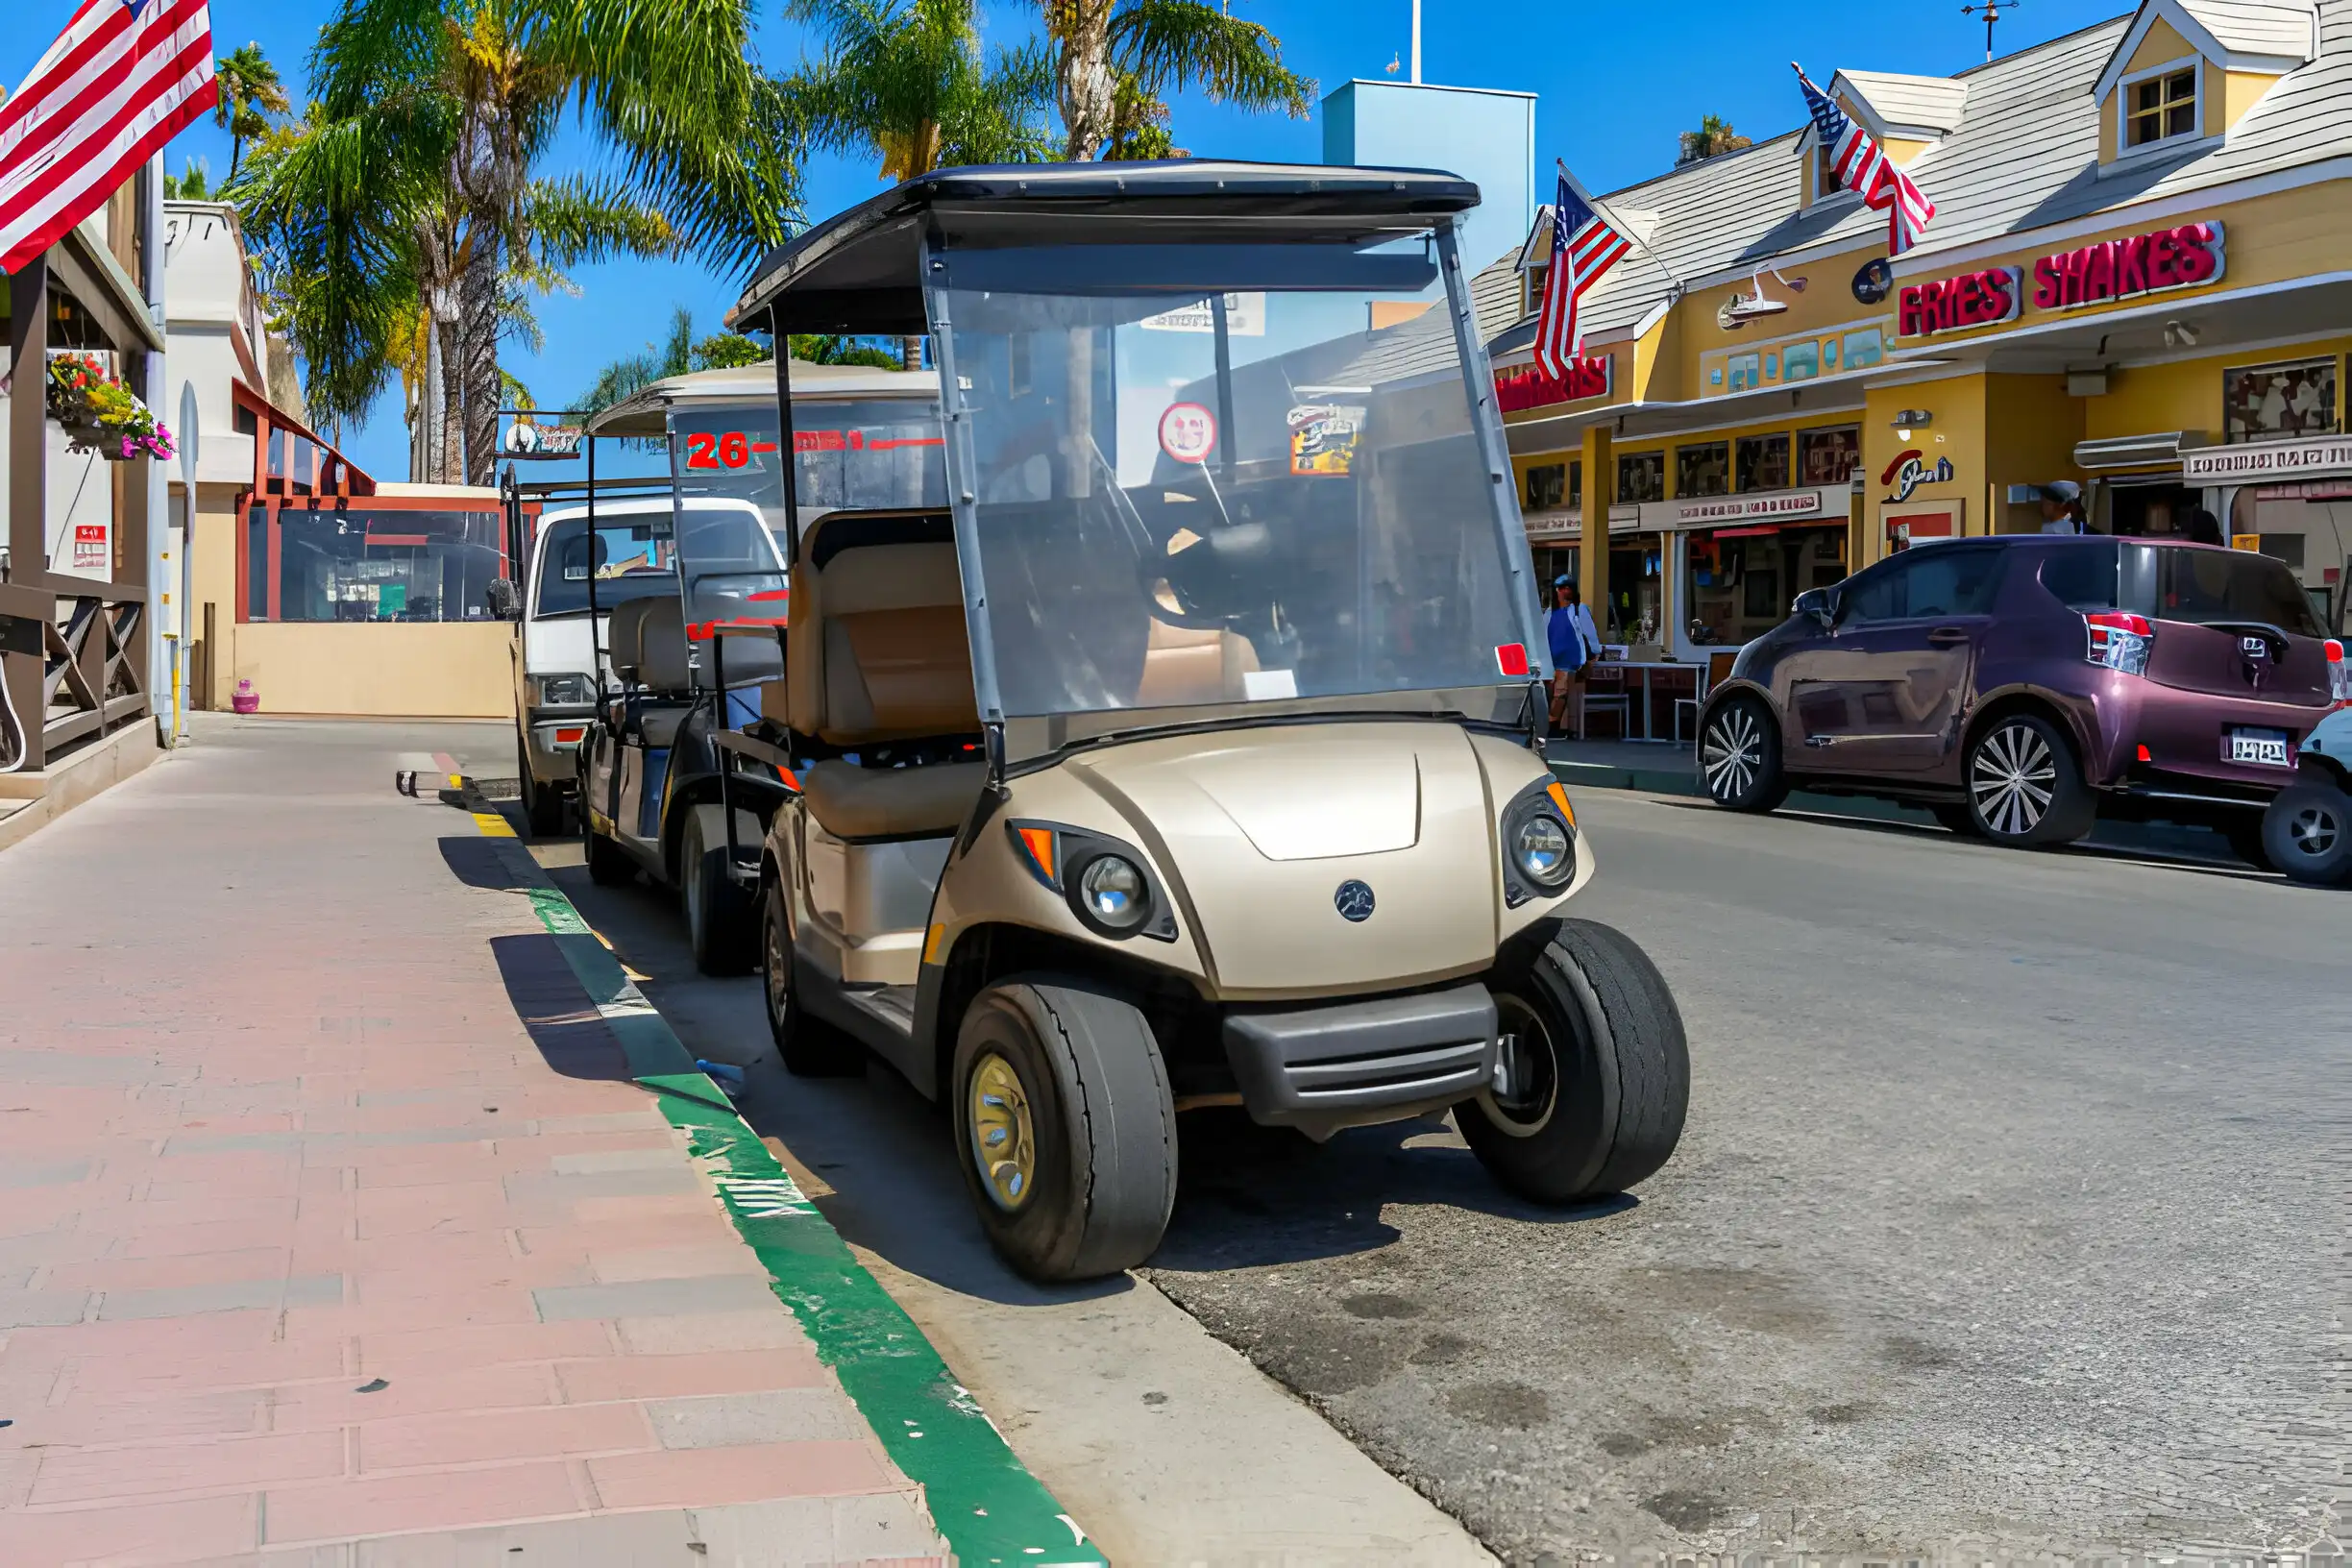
[625, 638]
[876, 649]
[662, 663]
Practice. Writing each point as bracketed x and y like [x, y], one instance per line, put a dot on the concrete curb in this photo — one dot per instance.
[983, 1500]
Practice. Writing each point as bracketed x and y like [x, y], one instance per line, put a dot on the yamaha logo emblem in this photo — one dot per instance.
[1354, 901]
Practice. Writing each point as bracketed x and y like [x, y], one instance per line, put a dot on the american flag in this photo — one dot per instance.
[119, 82]
[1862, 165]
[1577, 261]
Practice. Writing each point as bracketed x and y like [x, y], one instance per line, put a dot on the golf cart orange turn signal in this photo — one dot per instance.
[1039, 843]
[1558, 793]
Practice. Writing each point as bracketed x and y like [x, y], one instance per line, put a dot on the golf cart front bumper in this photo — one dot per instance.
[1354, 1063]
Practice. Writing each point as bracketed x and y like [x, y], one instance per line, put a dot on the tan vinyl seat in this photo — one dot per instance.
[876, 651]
[851, 802]
[625, 636]
[1188, 666]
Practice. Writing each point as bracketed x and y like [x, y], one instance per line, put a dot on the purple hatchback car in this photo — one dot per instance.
[2022, 687]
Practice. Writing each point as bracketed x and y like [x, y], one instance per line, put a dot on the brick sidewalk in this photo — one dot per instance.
[303, 1239]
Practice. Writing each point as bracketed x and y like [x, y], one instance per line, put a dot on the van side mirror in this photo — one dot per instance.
[505, 605]
[1818, 606]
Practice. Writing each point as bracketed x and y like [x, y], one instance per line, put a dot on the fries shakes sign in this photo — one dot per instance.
[2185, 257]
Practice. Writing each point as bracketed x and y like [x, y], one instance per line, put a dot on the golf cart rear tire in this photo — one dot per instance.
[2308, 831]
[1619, 1069]
[1103, 1124]
[1742, 740]
[809, 1047]
[721, 919]
[608, 864]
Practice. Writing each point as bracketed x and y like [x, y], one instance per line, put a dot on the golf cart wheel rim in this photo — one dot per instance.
[775, 958]
[1526, 1091]
[1003, 1132]
[2012, 780]
[1732, 753]
[2314, 831]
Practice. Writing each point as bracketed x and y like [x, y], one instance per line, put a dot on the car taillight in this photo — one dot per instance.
[2118, 640]
[2340, 675]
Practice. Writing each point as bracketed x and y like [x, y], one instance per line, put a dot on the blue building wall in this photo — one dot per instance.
[1482, 135]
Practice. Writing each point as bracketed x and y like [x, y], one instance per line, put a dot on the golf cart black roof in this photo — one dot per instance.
[859, 271]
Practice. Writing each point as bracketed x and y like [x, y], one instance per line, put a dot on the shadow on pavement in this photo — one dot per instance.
[571, 1033]
[481, 863]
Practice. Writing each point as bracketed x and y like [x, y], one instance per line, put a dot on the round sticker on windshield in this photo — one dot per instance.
[1187, 432]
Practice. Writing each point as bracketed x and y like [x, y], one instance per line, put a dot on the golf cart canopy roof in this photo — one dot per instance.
[643, 413]
[859, 271]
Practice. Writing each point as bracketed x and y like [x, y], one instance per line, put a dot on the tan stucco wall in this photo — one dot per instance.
[212, 567]
[391, 669]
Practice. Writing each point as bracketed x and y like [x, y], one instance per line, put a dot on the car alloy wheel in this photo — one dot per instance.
[1732, 753]
[2312, 830]
[2012, 780]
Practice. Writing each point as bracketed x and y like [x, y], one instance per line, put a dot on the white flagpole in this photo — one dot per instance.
[1416, 43]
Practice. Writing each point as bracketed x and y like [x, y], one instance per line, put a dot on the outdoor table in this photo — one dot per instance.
[1652, 687]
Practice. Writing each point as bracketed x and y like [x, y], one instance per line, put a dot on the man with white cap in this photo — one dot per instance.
[2062, 507]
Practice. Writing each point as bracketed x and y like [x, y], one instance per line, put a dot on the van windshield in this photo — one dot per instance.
[632, 560]
[1209, 475]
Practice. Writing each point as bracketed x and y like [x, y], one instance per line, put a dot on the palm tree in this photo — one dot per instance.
[1713, 138]
[416, 184]
[250, 93]
[1100, 47]
[906, 83]
[837, 349]
[192, 184]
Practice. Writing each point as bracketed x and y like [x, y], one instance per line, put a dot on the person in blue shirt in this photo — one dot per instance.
[1565, 630]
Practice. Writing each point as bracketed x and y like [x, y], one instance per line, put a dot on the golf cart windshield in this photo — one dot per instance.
[632, 558]
[1224, 474]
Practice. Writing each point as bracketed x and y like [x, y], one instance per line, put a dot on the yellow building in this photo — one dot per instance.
[2134, 284]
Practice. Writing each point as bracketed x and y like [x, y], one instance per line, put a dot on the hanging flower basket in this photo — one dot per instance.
[102, 415]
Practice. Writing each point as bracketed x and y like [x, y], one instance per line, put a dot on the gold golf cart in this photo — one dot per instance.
[1191, 755]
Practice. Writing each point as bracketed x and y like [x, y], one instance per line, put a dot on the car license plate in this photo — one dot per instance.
[2266, 747]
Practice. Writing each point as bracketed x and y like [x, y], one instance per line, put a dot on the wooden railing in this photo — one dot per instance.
[74, 655]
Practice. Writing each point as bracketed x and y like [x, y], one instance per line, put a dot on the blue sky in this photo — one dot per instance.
[1616, 84]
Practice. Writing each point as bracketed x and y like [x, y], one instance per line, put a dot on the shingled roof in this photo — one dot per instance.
[2023, 154]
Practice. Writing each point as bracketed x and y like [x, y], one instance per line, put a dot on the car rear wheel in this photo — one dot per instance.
[1739, 757]
[718, 915]
[1593, 1075]
[1064, 1127]
[2026, 789]
[809, 1047]
[2307, 832]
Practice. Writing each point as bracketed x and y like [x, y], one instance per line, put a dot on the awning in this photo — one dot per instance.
[2159, 449]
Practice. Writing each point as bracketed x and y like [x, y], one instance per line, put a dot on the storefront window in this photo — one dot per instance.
[1552, 485]
[1702, 469]
[1740, 582]
[1865, 348]
[1636, 584]
[1641, 476]
[1830, 456]
[1763, 462]
[2261, 403]
[1801, 361]
[374, 564]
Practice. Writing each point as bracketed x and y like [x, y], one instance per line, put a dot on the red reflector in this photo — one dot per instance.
[2143, 756]
[568, 737]
[2335, 651]
[1511, 658]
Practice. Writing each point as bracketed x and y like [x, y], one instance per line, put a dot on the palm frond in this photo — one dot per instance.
[1178, 45]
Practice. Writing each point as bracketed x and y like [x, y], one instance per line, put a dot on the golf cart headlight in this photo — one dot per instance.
[1540, 846]
[564, 691]
[1112, 895]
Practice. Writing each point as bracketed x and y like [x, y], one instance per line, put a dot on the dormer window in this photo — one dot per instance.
[2160, 106]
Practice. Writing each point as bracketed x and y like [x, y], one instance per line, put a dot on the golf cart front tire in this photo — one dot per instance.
[1072, 1069]
[721, 921]
[1619, 1069]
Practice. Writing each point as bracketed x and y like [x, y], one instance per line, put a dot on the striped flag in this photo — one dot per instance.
[1584, 245]
[1862, 165]
[119, 82]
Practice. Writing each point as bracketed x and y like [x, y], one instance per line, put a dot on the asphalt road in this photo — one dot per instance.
[2009, 1219]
